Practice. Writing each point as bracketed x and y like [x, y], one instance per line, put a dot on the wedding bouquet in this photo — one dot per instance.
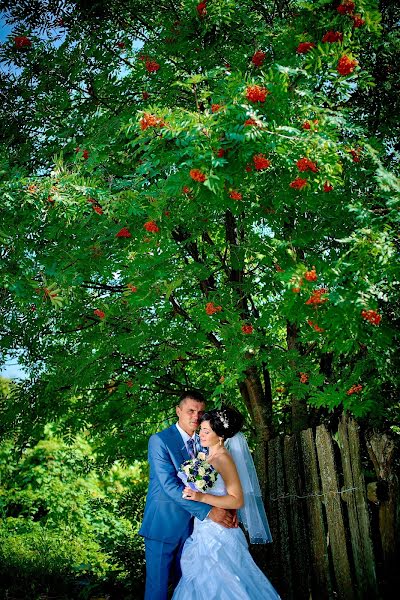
[198, 474]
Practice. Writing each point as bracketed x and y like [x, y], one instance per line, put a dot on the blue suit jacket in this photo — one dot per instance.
[168, 516]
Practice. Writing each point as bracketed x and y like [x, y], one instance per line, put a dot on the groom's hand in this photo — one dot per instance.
[234, 514]
[226, 518]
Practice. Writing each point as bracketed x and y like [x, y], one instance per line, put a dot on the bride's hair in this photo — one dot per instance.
[224, 421]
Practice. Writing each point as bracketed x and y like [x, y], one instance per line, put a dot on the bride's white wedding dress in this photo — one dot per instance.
[217, 565]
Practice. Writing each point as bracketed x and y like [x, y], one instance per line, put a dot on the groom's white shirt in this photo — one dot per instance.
[185, 436]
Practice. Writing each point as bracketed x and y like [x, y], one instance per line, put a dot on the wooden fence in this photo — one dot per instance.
[334, 535]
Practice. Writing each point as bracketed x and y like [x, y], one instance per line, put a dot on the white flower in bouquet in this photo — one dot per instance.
[197, 473]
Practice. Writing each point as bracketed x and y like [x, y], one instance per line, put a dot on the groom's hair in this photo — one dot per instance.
[192, 395]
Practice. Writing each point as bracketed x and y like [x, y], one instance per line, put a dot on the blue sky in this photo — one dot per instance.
[5, 30]
[12, 370]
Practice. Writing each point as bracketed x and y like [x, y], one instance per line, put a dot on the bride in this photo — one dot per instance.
[216, 563]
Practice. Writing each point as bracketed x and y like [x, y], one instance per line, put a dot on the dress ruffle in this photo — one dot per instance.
[217, 565]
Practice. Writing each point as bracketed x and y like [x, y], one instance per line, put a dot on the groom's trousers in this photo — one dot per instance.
[162, 567]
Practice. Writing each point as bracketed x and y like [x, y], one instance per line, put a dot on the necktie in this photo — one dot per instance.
[190, 447]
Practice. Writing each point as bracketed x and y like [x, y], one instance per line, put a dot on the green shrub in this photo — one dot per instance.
[69, 527]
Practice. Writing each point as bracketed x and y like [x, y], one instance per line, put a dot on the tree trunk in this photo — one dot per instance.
[300, 416]
[259, 404]
[381, 449]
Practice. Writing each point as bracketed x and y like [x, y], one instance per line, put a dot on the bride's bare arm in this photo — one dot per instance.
[234, 497]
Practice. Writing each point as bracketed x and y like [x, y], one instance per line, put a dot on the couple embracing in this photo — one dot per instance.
[192, 540]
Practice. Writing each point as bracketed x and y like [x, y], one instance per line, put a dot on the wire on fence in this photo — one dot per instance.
[285, 496]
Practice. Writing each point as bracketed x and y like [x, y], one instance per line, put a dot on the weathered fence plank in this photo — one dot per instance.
[275, 566]
[294, 510]
[381, 449]
[322, 534]
[336, 530]
[319, 561]
[363, 554]
[285, 548]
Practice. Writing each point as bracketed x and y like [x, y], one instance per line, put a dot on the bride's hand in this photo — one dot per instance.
[190, 494]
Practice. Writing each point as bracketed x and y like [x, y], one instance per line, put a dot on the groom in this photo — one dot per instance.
[168, 518]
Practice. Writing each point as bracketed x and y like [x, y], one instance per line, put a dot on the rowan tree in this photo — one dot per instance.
[198, 195]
